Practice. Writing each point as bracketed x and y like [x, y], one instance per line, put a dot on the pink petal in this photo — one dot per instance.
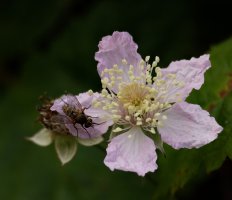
[190, 72]
[101, 119]
[132, 151]
[188, 126]
[113, 49]
[58, 104]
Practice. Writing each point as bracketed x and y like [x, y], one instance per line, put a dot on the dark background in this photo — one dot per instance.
[48, 46]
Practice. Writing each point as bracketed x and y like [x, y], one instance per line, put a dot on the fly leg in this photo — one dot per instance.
[86, 131]
[74, 125]
[98, 123]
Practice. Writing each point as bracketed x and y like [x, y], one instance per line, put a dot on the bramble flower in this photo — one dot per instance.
[70, 120]
[142, 105]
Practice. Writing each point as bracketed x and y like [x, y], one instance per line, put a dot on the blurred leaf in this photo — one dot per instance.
[23, 22]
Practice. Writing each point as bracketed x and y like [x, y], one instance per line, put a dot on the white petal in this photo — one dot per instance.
[132, 151]
[66, 147]
[42, 138]
[188, 126]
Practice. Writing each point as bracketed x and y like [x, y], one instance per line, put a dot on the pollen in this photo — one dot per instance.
[133, 94]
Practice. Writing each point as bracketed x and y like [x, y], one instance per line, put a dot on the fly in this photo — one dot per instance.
[74, 114]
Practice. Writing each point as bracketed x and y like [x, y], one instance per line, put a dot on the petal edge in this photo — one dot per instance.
[188, 126]
[132, 151]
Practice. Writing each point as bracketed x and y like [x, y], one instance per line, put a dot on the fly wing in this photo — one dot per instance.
[61, 119]
[72, 100]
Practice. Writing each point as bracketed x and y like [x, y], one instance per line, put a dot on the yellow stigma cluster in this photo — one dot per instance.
[135, 97]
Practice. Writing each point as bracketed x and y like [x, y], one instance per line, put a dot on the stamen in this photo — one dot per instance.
[90, 92]
[141, 100]
[148, 119]
[128, 118]
[157, 59]
[147, 58]
[124, 61]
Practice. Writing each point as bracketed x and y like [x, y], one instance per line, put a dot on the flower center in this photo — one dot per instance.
[132, 94]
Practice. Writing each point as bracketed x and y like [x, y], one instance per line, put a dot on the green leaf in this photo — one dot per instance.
[42, 138]
[66, 147]
[216, 153]
[90, 141]
[23, 33]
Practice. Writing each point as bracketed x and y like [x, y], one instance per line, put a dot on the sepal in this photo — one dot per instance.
[66, 147]
[44, 137]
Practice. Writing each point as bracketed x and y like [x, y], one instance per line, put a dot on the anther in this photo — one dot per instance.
[128, 118]
[139, 123]
[157, 59]
[147, 58]
[124, 61]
